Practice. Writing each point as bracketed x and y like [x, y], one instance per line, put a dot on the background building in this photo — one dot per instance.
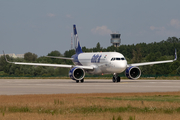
[14, 55]
[115, 39]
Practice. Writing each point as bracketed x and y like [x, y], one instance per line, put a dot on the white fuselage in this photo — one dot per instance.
[103, 62]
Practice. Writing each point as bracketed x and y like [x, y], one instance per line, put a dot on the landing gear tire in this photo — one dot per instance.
[116, 79]
[77, 81]
[82, 80]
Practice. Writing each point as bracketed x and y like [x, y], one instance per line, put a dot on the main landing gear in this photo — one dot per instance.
[116, 78]
[77, 81]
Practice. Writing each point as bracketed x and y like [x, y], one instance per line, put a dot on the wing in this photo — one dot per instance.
[49, 65]
[60, 57]
[152, 63]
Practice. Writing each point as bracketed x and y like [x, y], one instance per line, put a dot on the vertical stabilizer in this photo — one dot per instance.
[76, 40]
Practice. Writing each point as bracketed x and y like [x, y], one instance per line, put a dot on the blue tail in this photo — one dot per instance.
[77, 44]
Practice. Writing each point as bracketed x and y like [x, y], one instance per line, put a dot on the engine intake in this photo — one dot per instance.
[133, 72]
[76, 73]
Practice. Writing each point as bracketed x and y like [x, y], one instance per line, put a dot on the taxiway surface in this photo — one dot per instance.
[64, 86]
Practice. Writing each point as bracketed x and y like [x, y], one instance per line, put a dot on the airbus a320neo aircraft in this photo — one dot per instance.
[98, 63]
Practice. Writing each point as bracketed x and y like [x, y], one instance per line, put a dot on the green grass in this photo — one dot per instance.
[157, 98]
[90, 109]
[59, 106]
[14, 109]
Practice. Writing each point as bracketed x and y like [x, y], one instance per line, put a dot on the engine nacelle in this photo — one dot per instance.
[133, 72]
[76, 73]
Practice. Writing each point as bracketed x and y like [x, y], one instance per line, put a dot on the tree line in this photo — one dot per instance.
[142, 52]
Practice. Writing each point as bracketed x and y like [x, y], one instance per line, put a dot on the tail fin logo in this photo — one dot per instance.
[76, 40]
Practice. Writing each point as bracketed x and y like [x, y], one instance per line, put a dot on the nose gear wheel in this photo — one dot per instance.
[116, 78]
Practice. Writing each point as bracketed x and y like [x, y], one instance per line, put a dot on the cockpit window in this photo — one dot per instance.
[112, 59]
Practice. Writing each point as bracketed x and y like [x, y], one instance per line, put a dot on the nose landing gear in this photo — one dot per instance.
[116, 78]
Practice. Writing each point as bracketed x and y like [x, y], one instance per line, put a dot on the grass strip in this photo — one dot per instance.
[156, 98]
[90, 109]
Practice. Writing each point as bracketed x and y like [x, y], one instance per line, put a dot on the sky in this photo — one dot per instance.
[42, 26]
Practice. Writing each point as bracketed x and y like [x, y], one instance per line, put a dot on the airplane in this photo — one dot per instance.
[97, 63]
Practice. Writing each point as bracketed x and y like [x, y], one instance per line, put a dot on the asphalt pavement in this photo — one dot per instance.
[65, 86]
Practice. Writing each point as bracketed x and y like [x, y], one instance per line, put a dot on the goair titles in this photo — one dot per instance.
[96, 58]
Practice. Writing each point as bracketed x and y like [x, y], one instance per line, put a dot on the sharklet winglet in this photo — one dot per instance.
[6, 57]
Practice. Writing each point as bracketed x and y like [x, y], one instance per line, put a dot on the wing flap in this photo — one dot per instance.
[53, 65]
[43, 64]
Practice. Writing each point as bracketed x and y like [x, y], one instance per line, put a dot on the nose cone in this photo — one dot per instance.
[122, 65]
[119, 66]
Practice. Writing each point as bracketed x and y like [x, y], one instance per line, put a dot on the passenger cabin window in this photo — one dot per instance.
[112, 59]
